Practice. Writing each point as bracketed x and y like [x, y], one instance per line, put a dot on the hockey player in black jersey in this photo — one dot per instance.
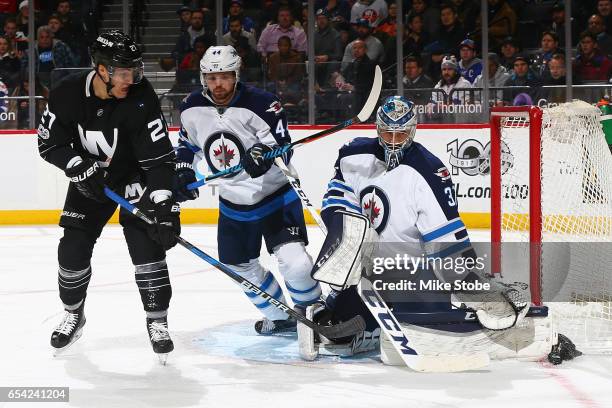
[105, 127]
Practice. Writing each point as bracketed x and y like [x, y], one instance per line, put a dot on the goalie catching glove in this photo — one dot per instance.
[500, 308]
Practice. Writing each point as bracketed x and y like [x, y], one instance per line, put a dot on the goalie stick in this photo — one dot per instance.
[361, 117]
[348, 328]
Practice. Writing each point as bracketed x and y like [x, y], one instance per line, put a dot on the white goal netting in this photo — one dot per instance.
[574, 274]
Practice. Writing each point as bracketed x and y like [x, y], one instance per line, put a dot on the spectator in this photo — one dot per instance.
[604, 9]
[375, 11]
[590, 63]
[498, 75]
[598, 28]
[549, 46]
[467, 11]
[509, 50]
[21, 107]
[558, 24]
[235, 10]
[357, 77]
[192, 59]
[268, 41]
[388, 27]
[236, 31]
[69, 20]
[502, 21]
[375, 49]
[4, 107]
[250, 69]
[184, 44]
[469, 66]
[9, 64]
[413, 41]
[265, 15]
[451, 31]
[70, 38]
[14, 36]
[429, 15]
[415, 79]
[339, 11]
[328, 48]
[450, 81]
[8, 8]
[184, 14]
[285, 71]
[22, 17]
[50, 54]
[556, 76]
[522, 76]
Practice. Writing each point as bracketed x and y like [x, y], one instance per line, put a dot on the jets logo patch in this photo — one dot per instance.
[375, 206]
[223, 150]
[443, 173]
[275, 107]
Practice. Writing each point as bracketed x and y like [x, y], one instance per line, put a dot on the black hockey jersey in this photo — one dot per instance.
[127, 136]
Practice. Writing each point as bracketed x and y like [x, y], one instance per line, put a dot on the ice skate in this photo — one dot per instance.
[269, 327]
[160, 338]
[69, 330]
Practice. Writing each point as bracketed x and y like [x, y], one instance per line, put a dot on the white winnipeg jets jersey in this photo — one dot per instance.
[213, 139]
[414, 202]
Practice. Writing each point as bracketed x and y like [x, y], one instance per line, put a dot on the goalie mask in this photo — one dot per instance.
[222, 58]
[395, 125]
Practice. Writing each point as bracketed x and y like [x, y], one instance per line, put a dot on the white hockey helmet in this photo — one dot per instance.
[396, 115]
[222, 58]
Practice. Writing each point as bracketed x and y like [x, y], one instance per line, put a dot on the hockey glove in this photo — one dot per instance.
[88, 178]
[185, 175]
[168, 223]
[254, 163]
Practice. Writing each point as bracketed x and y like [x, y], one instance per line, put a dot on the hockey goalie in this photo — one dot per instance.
[389, 198]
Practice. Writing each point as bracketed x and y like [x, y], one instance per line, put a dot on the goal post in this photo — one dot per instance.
[551, 191]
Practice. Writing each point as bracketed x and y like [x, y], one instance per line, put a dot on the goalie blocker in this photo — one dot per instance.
[438, 341]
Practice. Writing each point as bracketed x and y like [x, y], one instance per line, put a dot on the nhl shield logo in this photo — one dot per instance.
[223, 150]
[375, 206]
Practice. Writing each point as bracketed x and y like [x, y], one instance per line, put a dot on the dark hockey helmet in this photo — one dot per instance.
[114, 49]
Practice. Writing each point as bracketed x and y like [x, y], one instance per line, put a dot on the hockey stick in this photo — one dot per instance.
[295, 183]
[361, 117]
[350, 327]
[417, 362]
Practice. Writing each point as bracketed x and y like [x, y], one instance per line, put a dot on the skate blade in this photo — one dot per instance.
[162, 358]
[59, 351]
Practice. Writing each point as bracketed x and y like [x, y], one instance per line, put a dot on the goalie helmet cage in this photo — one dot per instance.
[551, 189]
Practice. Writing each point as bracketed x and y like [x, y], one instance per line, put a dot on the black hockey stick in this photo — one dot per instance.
[361, 117]
[348, 328]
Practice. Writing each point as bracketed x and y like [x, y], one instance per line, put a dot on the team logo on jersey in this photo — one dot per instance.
[472, 158]
[100, 112]
[275, 107]
[375, 206]
[223, 150]
[96, 142]
[371, 15]
[443, 173]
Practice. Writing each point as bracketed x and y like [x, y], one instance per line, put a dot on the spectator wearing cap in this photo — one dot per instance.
[557, 25]
[469, 66]
[451, 80]
[451, 31]
[508, 50]
[414, 79]
[235, 10]
[375, 11]
[357, 77]
[604, 9]
[184, 14]
[22, 17]
[429, 15]
[375, 49]
[236, 31]
[522, 76]
[184, 43]
[549, 45]
[339, 11]
[328, 48]
[590, 63]
[268, 41]
[502, 21]
[598, 28]
[498, 75]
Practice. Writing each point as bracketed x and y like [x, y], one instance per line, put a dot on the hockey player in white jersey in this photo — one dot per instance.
[222, 125]
[407, 195]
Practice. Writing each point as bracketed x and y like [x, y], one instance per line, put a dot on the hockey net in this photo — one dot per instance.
[551, 189]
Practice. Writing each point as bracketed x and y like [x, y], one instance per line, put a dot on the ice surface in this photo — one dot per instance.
[218, 360]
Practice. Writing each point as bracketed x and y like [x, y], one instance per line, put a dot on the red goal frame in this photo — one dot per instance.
[533, 115]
